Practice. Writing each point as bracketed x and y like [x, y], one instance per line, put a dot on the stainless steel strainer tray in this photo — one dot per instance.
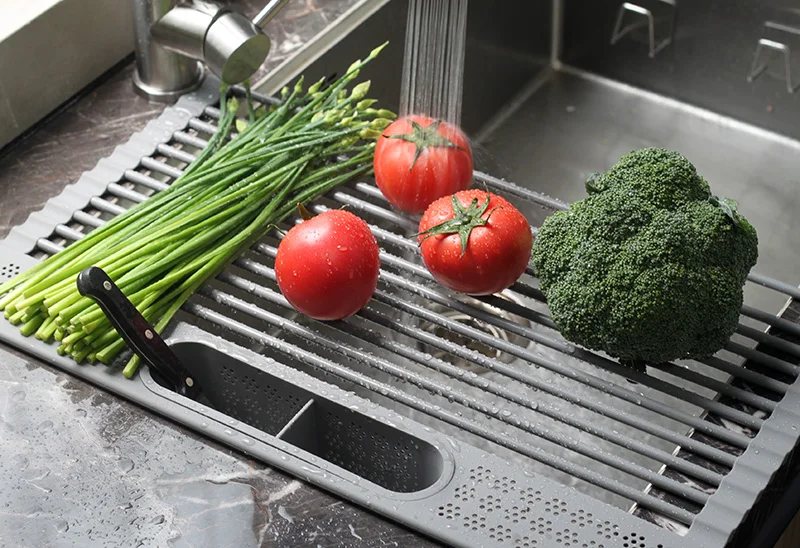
[451, 415]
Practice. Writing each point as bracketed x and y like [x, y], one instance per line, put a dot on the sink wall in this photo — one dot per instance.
[505, 49]
[708, 63]
[547, 129]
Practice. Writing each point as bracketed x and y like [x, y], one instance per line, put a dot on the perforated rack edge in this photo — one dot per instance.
[447, 508]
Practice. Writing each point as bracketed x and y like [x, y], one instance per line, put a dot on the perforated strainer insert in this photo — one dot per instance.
[8, 271]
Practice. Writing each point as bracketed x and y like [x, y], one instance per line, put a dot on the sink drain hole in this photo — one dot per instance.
[472, 344]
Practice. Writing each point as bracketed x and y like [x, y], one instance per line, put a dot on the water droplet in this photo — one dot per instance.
[229, 431]
[125, 464]
[80, 412]
[20, 462]
[203, 425]
[282, 512]
[62, 526]
[313, 471]
[126, 506]
[158, 520]
[19, 395]
[46, 425]
[454, 444]
[247, 441]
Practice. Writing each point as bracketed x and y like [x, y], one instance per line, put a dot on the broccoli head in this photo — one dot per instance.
[650, 267]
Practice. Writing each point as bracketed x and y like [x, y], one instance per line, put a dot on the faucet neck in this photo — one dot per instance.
[161, 75]
[171, 39]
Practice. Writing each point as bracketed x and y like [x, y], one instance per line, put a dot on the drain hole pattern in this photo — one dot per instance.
[505, 511]
[8, 271]
[255, 402]
[369, 454]
[634, 540]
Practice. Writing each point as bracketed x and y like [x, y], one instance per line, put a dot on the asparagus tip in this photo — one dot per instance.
[374, 53]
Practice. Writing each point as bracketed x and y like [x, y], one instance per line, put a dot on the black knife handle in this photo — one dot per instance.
[140, 336]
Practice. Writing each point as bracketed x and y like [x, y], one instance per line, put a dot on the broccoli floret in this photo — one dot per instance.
[651, 266]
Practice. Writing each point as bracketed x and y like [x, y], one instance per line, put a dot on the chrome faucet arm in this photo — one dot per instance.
[270, 10]
[171, 39]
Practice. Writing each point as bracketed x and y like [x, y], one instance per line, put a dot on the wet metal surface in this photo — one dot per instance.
[575, 124]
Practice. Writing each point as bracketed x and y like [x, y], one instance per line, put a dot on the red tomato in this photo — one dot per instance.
[474, 242]
[327, 267]
[418, 160]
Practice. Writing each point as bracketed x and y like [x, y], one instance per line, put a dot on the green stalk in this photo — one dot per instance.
[161, 251]
[39, 272]
[46, 330]
[80, 355]
[30, 326]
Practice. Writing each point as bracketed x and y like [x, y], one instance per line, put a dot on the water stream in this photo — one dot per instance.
[433, 65]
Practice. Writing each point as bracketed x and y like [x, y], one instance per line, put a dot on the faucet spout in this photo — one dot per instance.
[269, 11]
[173, 47]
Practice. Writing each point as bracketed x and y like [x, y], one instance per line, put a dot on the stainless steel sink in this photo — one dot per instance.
[548, 100]
[545, 118]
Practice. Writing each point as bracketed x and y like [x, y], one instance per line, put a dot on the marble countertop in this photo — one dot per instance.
[84, 468]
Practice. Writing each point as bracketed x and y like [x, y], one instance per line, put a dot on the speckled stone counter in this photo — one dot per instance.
[83, 468]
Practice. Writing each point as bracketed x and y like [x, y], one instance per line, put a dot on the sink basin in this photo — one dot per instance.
[546, 126]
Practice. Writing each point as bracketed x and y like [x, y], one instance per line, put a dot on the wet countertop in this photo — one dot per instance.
[84, 468]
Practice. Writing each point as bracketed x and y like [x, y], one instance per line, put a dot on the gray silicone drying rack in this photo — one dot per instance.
[365, 452]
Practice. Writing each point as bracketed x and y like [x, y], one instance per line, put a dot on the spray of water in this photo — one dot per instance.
[433, 67]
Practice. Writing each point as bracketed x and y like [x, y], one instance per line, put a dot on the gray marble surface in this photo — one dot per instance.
[83, 468]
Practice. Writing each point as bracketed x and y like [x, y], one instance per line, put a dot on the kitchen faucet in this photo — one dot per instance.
[176, 40]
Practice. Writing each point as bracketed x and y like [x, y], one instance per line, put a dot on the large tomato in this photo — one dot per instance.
[418, 159]
[327, 266]
[475, 242]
